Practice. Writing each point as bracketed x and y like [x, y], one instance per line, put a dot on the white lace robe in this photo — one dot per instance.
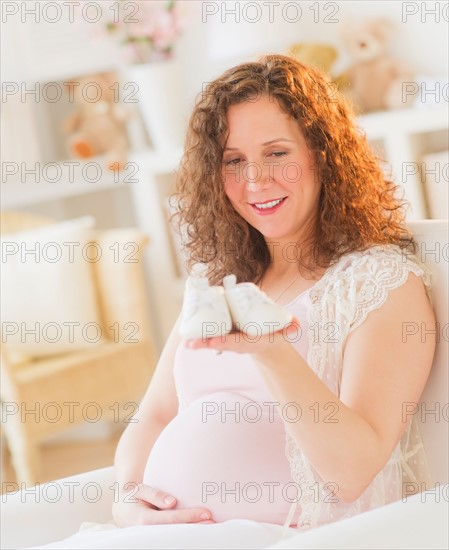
[356, 285]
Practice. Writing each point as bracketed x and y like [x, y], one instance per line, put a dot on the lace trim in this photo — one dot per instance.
[356, 285]
[302, 474]
[389, 272]
[413, 451]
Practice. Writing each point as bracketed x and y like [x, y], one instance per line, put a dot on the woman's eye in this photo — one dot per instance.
[235, 161]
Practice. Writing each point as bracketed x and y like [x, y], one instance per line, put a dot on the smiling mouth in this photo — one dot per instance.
[268, 205]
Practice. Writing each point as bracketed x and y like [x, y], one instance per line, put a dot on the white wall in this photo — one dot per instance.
[216, 41]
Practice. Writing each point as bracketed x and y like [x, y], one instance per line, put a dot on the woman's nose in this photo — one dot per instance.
[257, 176]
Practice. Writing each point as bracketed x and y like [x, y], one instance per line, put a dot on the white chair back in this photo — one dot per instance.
[433, 409]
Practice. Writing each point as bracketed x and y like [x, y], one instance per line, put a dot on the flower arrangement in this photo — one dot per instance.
[146, 29]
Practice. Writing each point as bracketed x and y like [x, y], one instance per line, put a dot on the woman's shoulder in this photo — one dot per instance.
[379, 262]
[361, 281]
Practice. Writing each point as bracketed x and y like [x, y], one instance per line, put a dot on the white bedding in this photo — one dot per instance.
[236, 533]
[420, 522]
[32, 521]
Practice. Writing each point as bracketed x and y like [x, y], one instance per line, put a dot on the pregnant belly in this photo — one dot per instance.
[226, 454]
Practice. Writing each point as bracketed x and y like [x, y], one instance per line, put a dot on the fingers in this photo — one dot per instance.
[232, 341]
[165, 517]
[200, 343]
[164, 501]
[185, 515]
[294, 325]
[157, 498]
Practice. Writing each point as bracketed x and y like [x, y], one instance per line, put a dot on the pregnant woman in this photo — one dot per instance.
[278, 186]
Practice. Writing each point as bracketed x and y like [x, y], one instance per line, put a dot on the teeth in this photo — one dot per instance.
[268, 204]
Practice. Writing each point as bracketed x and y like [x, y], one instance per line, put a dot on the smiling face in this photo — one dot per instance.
[268, 171]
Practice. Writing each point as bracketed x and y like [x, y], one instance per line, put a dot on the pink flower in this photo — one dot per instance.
[147, 33]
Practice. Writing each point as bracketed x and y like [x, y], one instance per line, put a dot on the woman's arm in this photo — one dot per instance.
[349, 439]
[157, 408]
[139, 504]
[381, 372]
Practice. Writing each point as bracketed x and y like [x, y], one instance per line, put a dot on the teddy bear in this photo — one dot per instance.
[320, 56]
[375, 79]
[98, 125]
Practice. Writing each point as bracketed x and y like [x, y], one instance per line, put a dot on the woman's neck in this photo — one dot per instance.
[287, 256]
[283, 279]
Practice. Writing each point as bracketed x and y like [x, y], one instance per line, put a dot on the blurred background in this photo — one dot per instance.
[95, 102]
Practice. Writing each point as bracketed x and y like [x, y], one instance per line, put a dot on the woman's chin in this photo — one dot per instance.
[275, 235]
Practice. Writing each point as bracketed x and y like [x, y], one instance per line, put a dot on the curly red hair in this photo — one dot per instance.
[358, 206]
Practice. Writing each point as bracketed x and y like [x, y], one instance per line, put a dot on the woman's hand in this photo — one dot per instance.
[270, 344]
[144, 505]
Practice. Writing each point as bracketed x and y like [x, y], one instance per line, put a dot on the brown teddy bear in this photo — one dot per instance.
[98, 126]
[319, 56]
[375, 80]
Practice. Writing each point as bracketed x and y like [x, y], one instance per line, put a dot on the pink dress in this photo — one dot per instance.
[228, 449]
[225, 450]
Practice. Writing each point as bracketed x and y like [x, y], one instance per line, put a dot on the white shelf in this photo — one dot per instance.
[17, 194]
[159, 162]
[403, 135]
[407, 121]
